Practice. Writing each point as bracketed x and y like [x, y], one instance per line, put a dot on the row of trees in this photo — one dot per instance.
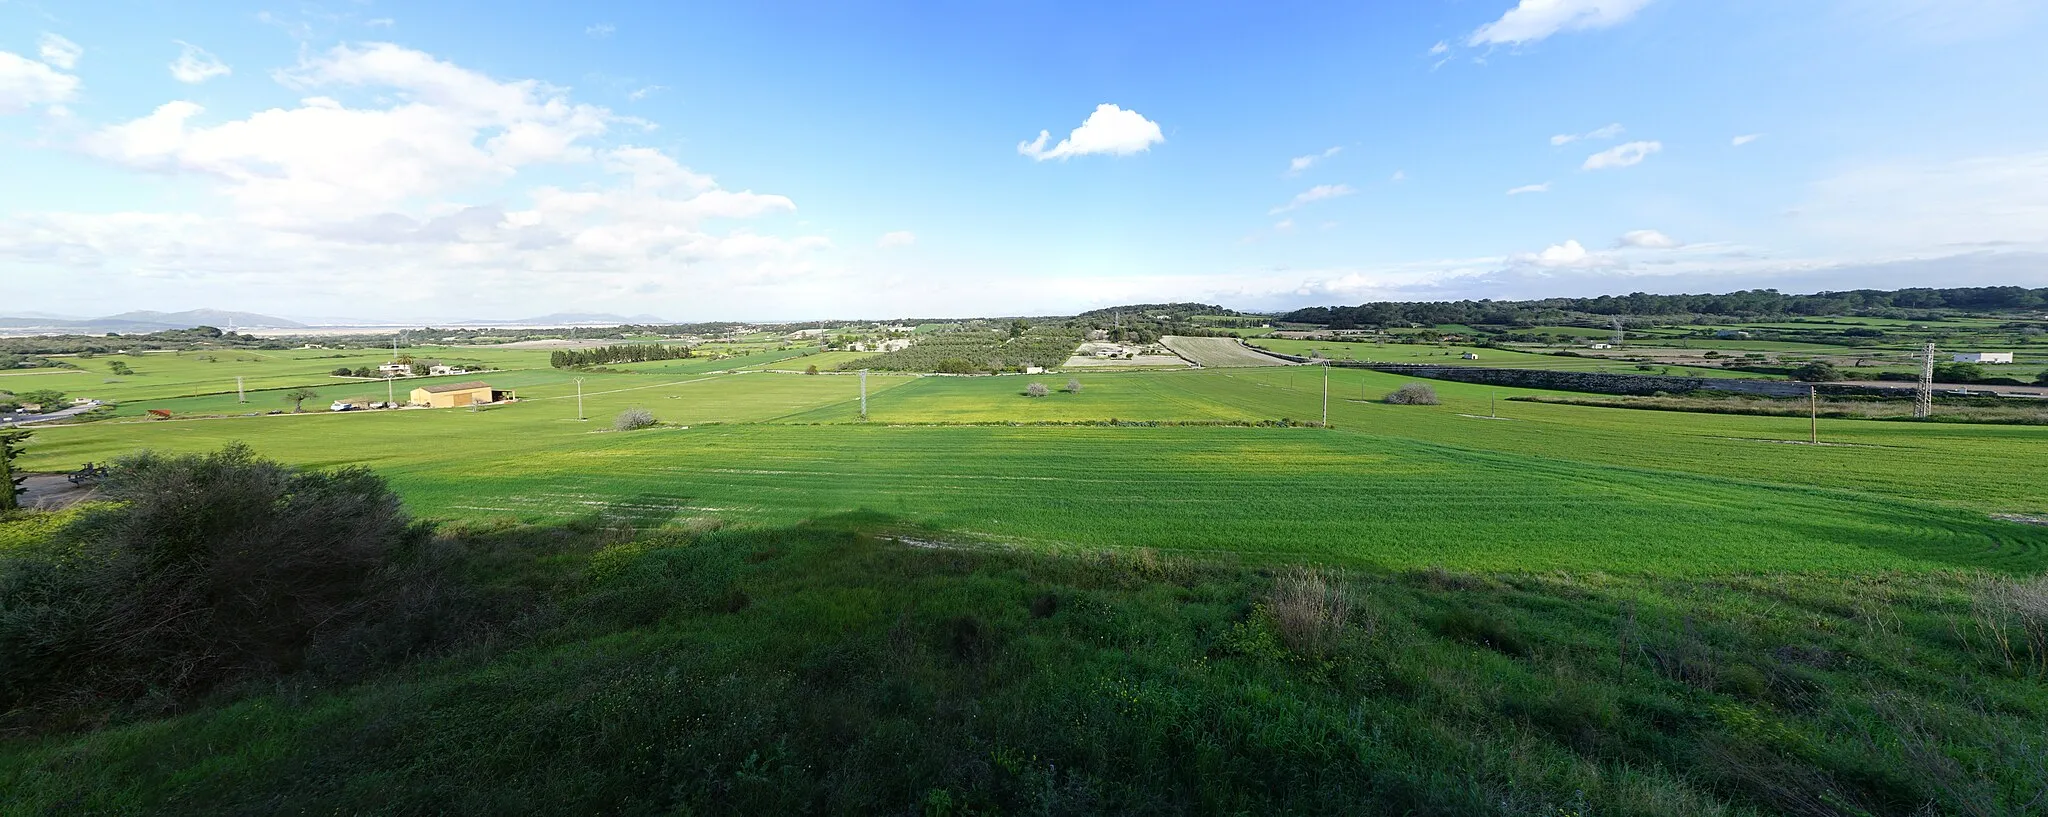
[620, 353]
[1747, 303]
[974, 352]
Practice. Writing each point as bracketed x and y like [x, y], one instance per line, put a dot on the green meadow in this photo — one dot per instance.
[1193, 461]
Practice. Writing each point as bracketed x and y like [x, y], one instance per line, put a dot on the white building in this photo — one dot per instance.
[1600, 346]
[437, 371]
[395, 370]
[1984, 357]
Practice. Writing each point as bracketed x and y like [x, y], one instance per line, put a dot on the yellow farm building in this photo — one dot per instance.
[452, 395]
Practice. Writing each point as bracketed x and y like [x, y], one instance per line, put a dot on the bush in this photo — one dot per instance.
[811, 369]
[1074, 383]
[1819, 371]
[1413, 394]
[1036, 390]
[634, 419]
[212, 569]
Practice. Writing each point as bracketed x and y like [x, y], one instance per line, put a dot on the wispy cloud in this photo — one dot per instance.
[1745, 139]
[645, 92]
[58, 51]
[1625, 155]
[1110, 129]
[1312, 195]
[1300, 163]
[195, 65]
[380, 22]
[1608, 132]
[896, 238]
[1399, 176]
[1646, 239]
[599, 30]
[1533, 20]
[1529, 188]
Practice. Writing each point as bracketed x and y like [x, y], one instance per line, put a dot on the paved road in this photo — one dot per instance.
[1944, 388]
[24, 418]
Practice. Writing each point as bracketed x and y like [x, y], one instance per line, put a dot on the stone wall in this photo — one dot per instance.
[1603, 383]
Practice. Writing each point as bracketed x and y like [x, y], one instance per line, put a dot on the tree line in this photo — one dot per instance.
[621, 353]
[1747, 303]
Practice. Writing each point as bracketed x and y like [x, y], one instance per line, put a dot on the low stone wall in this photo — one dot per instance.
[1604, 383]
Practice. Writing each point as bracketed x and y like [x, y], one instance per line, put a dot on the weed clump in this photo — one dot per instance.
[1310, 611]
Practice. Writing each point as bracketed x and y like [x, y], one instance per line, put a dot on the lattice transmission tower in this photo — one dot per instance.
[1923, 397]
[1620, 334]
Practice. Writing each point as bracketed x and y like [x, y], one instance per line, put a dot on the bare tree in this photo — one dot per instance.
[1073, 385]
[1036, 390]
[1413, 394]
[633, 419]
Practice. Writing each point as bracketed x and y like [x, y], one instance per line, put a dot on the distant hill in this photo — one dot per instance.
[144, 321]
[207, 317]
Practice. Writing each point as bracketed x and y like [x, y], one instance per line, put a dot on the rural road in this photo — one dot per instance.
[10, 420]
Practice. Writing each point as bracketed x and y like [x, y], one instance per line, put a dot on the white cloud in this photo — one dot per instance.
[380, 22]
[1533, 20]
[195, 65]
[1300, 163]
[1570, 253]
[1440, 47]
[1745, 139]
[896, 238]
[1314, 194]
[1624, 155]
[1109, 129]
[1285, 225]
[25, 83]
[1399, 176]
[645, 92]
[599, 30]
[1608, 132]
[1646, 239]
[58, 51]
[1543, 187]
[1926, 206]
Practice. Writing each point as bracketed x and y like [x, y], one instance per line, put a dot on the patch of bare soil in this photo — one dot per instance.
[2024, 519]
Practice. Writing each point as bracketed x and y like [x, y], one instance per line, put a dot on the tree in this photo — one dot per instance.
[1958, 372]
[10, 485]
[119, 368]
[342, 371]
[2042, 378]
[1036, 390]
[298, 398]
[48, 399]
[1819, 371]
[1073, 385]
[1018, 327]
[811, 369]
[419, 369]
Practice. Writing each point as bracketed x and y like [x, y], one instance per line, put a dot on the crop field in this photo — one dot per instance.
[1453, 355]
[1219, 353]
[1549, 487]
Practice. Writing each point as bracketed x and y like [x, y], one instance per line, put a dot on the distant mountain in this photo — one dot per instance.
[142, 322]
[206, 317]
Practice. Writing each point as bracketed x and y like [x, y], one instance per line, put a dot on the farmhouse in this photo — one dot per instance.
[1471, 355]
[395, 370]
[438, 371]
[1984, 357]
[452, 395]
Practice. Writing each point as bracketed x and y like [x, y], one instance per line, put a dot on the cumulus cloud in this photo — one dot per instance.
[1646, 239]
[1570, 253]
[1529, 188]
[1110, 129]
[58, 51]
[1312, 195]
[896, 238]
[1624, 155]
[195, 65]
[26, 83]
[1745, 139]
[1300, 163]
[1608, 132]
[1533, 20]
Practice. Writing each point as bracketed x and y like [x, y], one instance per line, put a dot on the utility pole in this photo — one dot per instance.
[1326, 394]
[240, 396]
[389, 396]
[1923, 398]
[579, 398]
[863, 394]
[1493, 405]
[1813, 413]
[1620, 336]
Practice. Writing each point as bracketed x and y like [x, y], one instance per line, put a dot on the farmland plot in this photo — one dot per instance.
[1219, 353]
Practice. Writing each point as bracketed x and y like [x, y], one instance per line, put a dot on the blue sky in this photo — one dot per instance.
[760, 161]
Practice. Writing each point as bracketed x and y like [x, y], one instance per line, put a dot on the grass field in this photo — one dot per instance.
[1552, 487]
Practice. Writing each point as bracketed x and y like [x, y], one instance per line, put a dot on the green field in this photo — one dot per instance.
[1551, 487]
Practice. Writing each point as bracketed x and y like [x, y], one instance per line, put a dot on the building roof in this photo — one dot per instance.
[447, 387]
